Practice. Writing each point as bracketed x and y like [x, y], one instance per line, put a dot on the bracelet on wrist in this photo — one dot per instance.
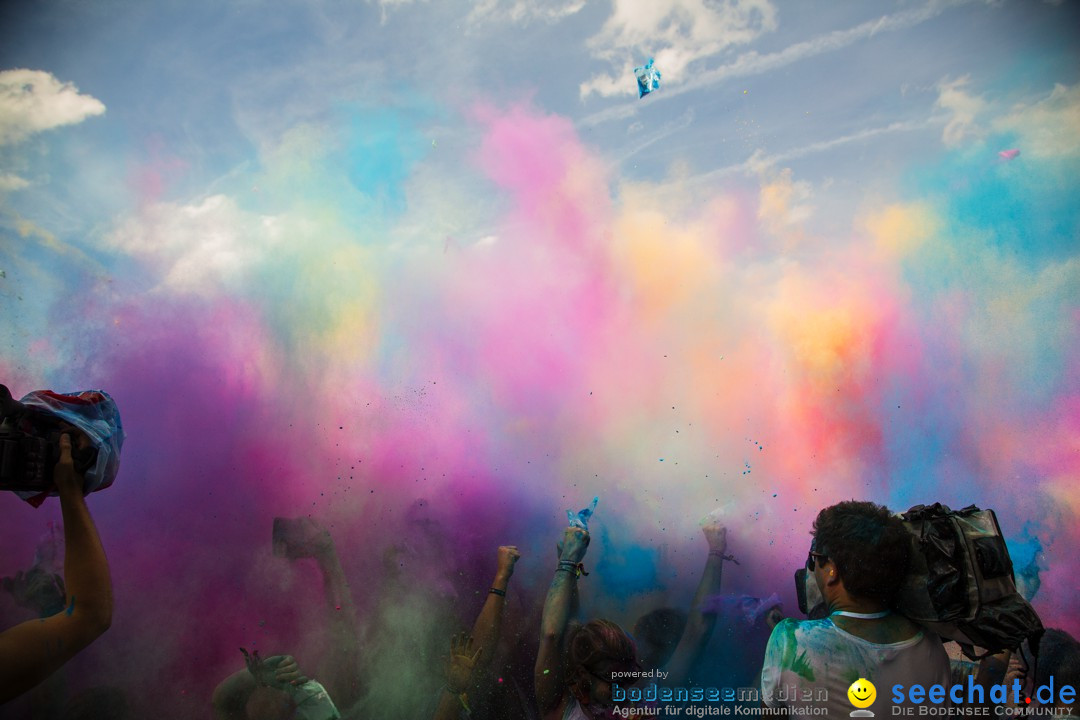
[576, 568]
[462, 698]
[722, 556]
[497, 591]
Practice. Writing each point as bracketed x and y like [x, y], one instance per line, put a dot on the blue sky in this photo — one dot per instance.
[215, 81]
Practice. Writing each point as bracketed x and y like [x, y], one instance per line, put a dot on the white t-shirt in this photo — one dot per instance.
[813, 658]
[573, 711]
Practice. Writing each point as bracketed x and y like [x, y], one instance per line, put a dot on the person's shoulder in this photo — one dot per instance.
[783, 629]
[790, 624]
[926, 651]
[806, 625]
[933, 643]
[910, 628]
[789, 630]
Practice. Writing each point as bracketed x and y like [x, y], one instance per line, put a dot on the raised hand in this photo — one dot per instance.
[67, 481]
[286, 671]
[507, 557]
[715, 534]
[463, 658]
[574, 544]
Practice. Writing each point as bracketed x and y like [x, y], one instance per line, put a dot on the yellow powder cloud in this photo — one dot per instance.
[827, 325]
[899, 230]
[341, 326]
[666, 265]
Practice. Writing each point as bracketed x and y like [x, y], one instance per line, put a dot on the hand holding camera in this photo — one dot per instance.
[31, 442]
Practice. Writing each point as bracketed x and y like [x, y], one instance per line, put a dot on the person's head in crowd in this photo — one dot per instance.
[267, 703]
[597, 654]
[860, 552]
[657, 634]
[1059, 658]
[99, 703]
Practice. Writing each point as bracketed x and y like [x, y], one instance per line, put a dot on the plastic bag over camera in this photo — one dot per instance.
[94, 413]
[961, 582]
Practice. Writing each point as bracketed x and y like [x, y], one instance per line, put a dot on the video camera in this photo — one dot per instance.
[811, 602]
[30, 431]
[960, 584]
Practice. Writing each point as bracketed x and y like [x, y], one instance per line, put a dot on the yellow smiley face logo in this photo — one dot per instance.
[862, 693]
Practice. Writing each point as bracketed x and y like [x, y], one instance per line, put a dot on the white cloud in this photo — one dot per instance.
[198, 246]
[34, 233]
[386, 6]
[1050, 127]
[607, 86]
[33, 100]
[784, 203]
[759, 163]
[677, 33]
[963, 107]
[522, 12]
[9, 182]
[754, 63]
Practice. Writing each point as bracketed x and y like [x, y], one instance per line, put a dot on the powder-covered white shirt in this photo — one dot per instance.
[809, 658]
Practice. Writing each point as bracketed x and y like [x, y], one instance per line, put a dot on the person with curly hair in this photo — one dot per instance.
[575, 668]
[859, 557]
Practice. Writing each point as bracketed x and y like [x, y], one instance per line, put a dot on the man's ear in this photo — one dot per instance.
[832, 577]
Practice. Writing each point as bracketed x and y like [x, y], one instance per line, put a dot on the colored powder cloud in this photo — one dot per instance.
[276, 355]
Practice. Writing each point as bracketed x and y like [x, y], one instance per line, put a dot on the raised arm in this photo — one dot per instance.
[549, 674]
[33, 650]
[700, 625]
[231, 696]
[992, 671]
[469, 652]
[345, 647]
[306, 538]
[485, 630]
[464, 656]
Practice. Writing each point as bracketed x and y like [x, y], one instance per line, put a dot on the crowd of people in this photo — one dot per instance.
[582, 668]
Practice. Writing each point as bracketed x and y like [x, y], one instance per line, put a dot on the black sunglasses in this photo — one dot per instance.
[810, 562]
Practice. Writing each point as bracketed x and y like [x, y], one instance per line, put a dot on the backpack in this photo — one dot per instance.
[961, 583]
